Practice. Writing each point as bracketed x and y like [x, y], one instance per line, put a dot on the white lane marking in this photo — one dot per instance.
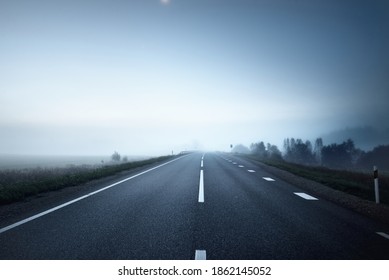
[251, 171]
[234, 163]
[268, 179]
[383, 234]
[200, 255]
[241, 166]
[305, 196]
[229, 160]
[201, 187]
[80, 198]
[202, 163]
[202, 158]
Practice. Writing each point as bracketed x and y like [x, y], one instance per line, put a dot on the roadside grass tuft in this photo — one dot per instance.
[16, 185]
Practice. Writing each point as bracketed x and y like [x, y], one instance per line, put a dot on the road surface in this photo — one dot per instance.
[198, 206]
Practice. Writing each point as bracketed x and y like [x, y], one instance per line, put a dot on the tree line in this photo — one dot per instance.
[336, 155]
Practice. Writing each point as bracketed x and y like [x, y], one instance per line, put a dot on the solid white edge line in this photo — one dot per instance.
[383, 234]
[305, 196]
[4, 229]
[200, 255]
[201, 187]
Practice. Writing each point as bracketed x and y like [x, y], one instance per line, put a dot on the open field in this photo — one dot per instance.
[8, 161]
[17, 184]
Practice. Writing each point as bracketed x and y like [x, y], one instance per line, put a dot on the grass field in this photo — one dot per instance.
[360, 184]
[17, 184]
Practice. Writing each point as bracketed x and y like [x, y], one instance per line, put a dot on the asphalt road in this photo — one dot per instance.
[213, 206]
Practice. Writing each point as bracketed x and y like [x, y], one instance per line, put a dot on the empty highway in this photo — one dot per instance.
[197, 206]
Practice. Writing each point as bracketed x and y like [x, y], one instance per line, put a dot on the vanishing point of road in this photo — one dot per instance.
[196, 206]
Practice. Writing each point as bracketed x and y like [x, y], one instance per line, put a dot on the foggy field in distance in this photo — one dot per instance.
[8, 161]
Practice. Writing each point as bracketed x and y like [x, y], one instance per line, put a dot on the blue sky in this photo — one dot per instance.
[149, 76]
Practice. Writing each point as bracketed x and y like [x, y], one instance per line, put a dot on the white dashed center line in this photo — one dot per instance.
[383, 234]
[201, 187]
[305, 196]
[241, 166]
[234, 163]
[251, 171]
[268, 179]
[200, 255]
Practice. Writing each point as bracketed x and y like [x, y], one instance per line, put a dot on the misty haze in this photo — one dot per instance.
[161, 112]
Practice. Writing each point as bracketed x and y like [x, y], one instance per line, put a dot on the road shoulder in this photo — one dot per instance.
[16, 211]
[378, 212]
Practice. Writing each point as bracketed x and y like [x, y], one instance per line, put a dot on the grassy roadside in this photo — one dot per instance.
[356, 183]
[16, 185]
